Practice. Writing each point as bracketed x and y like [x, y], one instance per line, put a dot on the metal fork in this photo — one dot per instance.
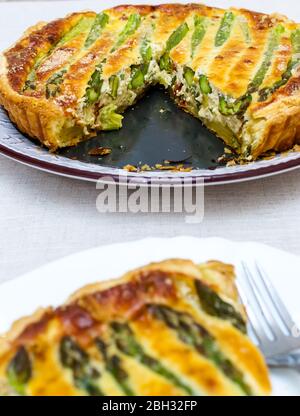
[291, 361]
[270, 324]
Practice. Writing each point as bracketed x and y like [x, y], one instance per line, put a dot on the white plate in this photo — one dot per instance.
[53, 283]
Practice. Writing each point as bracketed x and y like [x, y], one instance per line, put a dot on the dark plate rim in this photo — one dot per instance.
[142, 178]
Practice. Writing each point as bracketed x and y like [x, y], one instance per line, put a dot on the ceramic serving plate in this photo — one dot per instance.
[53, 283]
[154, 131]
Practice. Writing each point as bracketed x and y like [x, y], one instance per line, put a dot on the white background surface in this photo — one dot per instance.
[44, 217]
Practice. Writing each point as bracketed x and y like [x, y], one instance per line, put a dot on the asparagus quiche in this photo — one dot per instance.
[237, 71]
[170, 328]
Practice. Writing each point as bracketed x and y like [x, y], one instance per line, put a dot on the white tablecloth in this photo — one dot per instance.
[44, 217]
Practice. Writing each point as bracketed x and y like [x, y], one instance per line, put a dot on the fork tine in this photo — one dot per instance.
[265, 313]
[268, 317]
[266, 304]
[251, 330]
[253, 310]
[276, 300]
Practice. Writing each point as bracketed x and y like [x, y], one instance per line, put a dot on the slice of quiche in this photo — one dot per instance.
[170, 328]
[236, 70]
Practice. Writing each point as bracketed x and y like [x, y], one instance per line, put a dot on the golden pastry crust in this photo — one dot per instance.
[60, 88]
[76, 345]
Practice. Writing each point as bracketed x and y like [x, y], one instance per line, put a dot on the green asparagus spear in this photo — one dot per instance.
[245, 29]
[30, 83]
[294, 62]
[146, 50]
[100, 22]
[213, 353]
[127, 344]
[19, 371]
[54, 82]
[137, 78]
[138, 72]
[77, 360]
[204, 85]
[113, 365]
[237, 107]
[165, 62]
[114, 85]
[193, 334]
[225, 28]
[212, 304]
[81, 26]
[94, 88]
[71, 354]
[274, 41]
[200, 24]
[176, 37]
[109, 118]
[189, 75]
[131, 26]
[92, 93]
[295, 39]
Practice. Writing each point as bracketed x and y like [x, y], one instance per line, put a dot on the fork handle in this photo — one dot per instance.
[291, 361]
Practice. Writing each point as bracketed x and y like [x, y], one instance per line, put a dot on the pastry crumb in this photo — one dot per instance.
[130, 168]
[100, 151]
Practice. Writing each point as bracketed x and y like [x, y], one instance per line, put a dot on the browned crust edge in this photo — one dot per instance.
[226, 287]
